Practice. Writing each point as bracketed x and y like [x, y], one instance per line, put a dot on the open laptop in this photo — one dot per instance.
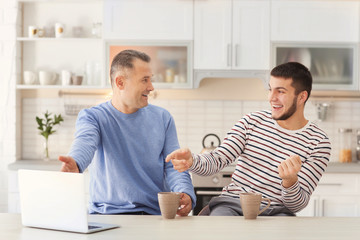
[55, 200]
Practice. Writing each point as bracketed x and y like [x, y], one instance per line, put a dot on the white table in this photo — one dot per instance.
[154, 227]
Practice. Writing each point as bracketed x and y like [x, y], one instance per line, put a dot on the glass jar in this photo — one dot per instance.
[358, 146]
[345, 154]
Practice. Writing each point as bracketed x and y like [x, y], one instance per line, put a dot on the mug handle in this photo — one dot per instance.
[268, 205]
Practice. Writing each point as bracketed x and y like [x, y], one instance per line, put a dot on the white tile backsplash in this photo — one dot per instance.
[193, 118]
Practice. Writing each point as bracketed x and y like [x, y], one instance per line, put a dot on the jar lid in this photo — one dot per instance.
[345, 130]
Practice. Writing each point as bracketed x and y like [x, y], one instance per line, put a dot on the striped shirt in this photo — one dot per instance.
[259, 145]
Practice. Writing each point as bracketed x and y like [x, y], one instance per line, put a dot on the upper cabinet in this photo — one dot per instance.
[318, 21]
[148, 20]
[231, 35]
[54, 38]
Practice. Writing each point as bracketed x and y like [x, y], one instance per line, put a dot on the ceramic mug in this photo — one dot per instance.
[29, 78]
[77, 80]
[47, 78]
[59, 30]
[169, 203]
[33, 32]
[66, 77]
[250, 204]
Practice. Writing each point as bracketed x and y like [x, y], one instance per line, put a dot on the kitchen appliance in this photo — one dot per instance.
[210, 186]
[212, 146]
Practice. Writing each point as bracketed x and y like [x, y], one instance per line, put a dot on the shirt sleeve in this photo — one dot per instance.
[178, 182]
[296, 197]
[87, 138]
[229, 150]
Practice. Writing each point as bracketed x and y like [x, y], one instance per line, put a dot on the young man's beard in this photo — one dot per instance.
[289, 112]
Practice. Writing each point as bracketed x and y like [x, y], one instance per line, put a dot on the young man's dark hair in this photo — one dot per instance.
[300, 75]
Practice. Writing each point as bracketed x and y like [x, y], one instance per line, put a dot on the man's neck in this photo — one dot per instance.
[293, 123]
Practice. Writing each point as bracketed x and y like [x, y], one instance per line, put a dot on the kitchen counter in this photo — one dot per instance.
[54, 165]
[204, 227]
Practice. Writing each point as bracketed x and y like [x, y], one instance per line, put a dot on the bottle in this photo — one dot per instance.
[358, 146]
[345, 155]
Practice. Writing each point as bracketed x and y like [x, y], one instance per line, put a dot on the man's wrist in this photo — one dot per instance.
[288, 183]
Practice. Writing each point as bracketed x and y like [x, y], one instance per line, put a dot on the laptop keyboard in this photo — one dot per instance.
[92, 227]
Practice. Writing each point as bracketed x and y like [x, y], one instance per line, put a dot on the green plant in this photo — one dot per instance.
[45, 125]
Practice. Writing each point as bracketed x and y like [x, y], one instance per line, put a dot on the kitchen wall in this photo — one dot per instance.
[8, 13]
[194, 119]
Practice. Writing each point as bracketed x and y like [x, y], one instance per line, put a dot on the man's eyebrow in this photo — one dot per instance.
[278, 88]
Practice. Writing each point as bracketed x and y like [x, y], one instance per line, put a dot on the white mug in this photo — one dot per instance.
[33, 32]
[59, 30]
[66, 77]
[47, 78]
[29, 78]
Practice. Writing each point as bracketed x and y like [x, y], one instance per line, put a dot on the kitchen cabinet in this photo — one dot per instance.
[150, 20]
[73, 51]
[231, 35]
[333, 66]
[315, 21]
[171, 62]
[337, 195]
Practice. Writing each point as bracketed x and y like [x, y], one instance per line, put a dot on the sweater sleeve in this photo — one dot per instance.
[87, 138]
[296, 197]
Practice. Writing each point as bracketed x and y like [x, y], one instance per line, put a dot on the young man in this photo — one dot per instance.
[279, 153]
[126, 141]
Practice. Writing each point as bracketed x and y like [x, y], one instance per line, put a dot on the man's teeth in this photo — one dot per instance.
[277, 106]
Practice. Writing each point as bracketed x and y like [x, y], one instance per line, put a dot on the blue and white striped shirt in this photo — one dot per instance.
[259, 145]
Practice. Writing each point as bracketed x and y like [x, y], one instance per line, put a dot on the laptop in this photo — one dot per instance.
[55, 200]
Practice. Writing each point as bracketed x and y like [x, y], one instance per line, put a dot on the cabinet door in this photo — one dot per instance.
[212, 35]
[335, 21]
[251, 34]
[340, 206]
[311, 210]
[144, 19]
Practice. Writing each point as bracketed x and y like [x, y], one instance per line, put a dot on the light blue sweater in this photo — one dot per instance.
[127, 153]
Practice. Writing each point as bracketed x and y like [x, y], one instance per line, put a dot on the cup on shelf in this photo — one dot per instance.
[29, 78]
[77, 80]
[59, 30]
[66, 77]
[33, 32]
[78, 31]
[47, 78]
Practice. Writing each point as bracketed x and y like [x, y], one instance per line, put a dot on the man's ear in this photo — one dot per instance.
[120, 82]
[303, 96]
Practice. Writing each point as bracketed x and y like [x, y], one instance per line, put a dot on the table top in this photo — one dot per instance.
[195, 227]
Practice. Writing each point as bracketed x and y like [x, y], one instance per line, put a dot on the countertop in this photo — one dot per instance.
[196, 227]
[54, 165]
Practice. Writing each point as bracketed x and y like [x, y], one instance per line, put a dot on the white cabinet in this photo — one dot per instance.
[333, 66]
[337, 195]
[148, 20]
[231, 35]
[73, 51]
[319, 21]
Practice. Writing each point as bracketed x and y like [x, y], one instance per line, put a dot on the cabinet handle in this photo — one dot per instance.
[236, 54]
[330, 184]
[208, 192]
[229, 55]
[315, 208]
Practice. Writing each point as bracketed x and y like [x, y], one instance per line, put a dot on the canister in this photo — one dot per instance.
[358, 146]
[345, 154]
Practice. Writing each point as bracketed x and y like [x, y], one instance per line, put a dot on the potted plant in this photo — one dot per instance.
[45, 125]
